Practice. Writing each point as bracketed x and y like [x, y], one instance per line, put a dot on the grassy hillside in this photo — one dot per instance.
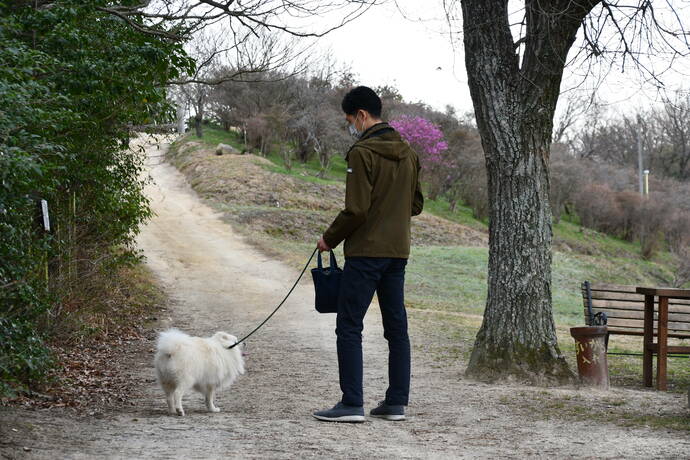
[285, 211]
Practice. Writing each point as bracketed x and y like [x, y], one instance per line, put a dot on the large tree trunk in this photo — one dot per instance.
[514, 107]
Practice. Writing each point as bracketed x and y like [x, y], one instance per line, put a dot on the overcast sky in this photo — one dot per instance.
[416, 55]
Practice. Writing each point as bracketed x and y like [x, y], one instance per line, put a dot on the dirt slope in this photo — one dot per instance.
[289, 206]
[217, 281]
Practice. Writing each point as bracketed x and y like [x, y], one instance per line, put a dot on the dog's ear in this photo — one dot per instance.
[226, 340]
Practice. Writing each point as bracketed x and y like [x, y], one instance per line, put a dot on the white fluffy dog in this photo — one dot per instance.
[203, 364]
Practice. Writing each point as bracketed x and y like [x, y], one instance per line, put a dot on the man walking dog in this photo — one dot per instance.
[382, 193]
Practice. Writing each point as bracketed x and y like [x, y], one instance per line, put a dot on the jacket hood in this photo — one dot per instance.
[383, 140]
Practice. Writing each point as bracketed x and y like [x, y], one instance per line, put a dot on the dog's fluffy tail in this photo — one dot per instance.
[170, 340]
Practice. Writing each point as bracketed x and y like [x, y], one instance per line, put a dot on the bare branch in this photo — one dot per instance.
[10, 284]
[635, 34]
[140, 28]
[186, 17]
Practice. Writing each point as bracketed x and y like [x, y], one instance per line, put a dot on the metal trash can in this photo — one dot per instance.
[590, 348]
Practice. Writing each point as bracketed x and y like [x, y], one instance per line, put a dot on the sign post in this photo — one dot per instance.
[44, 214]
[45, 219]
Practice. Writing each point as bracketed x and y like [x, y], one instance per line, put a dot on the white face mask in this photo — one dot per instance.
[354, 132]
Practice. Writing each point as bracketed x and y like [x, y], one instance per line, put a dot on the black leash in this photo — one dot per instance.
[279, 305]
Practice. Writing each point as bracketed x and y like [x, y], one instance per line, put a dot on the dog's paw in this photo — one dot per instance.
[179, 412]
[213, 409]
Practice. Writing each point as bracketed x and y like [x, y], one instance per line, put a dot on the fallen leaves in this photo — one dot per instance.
[93, 374]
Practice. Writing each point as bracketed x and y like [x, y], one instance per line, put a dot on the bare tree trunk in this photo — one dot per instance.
[452, 204]
[199, 116]
[324, 161]
[180, 118]
[514, 107]
[286, 154]
[434, 190]
[197, 126]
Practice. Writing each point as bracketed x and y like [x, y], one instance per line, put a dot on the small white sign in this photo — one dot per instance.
[46, 218]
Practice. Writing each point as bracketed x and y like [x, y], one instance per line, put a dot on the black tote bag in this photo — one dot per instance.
[327, 285]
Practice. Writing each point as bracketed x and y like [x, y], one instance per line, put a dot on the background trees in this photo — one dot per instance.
[587, 175]
[671, 142]
[316, 127]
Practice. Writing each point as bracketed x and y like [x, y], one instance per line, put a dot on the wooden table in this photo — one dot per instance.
[661, 347]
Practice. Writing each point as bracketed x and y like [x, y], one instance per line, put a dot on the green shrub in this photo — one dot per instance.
[72, 81]
[24, 358]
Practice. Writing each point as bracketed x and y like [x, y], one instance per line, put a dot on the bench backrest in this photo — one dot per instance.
[625, 310]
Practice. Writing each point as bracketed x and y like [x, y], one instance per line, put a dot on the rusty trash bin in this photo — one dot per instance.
[590, 349]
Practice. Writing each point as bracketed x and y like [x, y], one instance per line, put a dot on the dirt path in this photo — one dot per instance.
[218, 282]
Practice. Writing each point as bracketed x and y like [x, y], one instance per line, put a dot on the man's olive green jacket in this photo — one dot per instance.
[382, 193]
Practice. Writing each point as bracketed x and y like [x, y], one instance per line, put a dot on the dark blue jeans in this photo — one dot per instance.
[362, 276]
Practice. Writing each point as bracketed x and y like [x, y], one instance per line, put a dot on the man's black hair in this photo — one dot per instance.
[363, 98]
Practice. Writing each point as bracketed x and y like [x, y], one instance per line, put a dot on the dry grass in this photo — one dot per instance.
[286, 206]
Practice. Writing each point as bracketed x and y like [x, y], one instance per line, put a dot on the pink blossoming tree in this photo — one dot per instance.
[428, 141]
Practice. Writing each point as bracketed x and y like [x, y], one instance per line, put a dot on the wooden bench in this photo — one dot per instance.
[622, 309]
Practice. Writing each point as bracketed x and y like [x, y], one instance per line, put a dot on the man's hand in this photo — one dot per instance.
[322, 246]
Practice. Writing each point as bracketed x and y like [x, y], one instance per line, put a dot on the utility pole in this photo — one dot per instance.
[639, 155]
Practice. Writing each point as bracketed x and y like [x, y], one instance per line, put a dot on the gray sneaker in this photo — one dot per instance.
[387, 412]
[341, 413]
